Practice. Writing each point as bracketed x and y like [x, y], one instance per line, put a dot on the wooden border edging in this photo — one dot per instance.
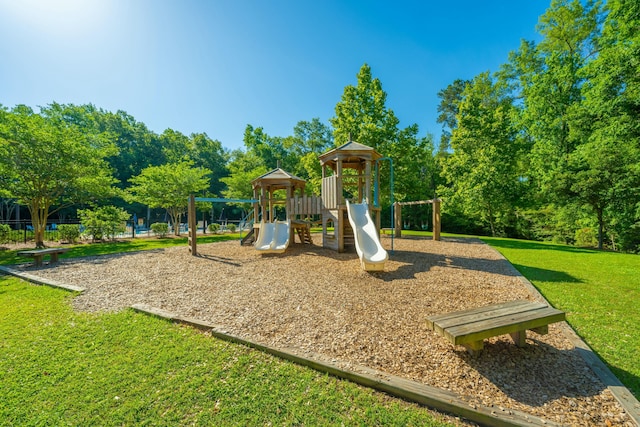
[39, 280]
[423, 394]
[628, 401]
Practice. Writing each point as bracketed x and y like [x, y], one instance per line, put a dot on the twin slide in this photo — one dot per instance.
[372, 254]
[273, 237]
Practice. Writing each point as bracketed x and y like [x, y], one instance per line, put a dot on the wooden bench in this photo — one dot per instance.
[470, 327]
[38, 254]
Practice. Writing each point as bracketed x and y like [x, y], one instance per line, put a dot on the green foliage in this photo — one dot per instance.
[482, 173]
[450, 98]
[103, 222]
[574, 128]
[60, 367]
[5, 233]
[69, 232]
[160, 229]
[169, 186]
[362, 116]
[214, 227]
[48, 164]
[231, 228]
[244, 167]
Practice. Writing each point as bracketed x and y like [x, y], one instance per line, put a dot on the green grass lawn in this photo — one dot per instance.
[59, 367]
[600, 291]
[9, 256]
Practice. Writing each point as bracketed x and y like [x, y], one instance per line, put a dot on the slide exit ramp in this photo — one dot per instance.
[372, 254]
[273, 237]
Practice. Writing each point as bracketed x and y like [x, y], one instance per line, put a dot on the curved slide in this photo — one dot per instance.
[372, 254]
[273, 237]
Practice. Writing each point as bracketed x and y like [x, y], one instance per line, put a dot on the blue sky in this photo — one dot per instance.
[216, 66]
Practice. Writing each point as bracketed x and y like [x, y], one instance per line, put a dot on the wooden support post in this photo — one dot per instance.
[193, 224]
[436, 219]
[367, 185]
[519, 338]
[397, 216]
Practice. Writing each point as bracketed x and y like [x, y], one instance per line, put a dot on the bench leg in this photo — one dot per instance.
[542, 330]
[37, 260]
[54, 257]
[474, 348]
[520, 338]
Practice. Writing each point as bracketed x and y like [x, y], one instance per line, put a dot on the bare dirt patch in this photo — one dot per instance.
[317, 300]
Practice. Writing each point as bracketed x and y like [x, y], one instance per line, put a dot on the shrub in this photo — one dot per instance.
[214, 227]
[69, 232]
[232, 228]
[105, 221]
[160, 229]
[586, 237]
[5, 233]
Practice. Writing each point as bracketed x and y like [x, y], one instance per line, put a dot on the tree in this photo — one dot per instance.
[548, 80]
[208, 153]
[269, 149]
[244, 167]
[176, 147]
[169, 186]
[137, 146]
[48, 164]
[605, 173]
[362, 116]
[482, 171]
[309, 140]
[450, 98]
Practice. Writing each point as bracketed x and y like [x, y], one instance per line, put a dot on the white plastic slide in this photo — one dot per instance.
[273, 237]
[372, 254]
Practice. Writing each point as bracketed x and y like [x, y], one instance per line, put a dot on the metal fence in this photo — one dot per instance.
[22, 230]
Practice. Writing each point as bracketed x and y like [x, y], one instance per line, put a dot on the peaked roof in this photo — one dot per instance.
[278, 176]
[350, 151]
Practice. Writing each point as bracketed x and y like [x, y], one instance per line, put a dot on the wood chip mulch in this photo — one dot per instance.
[320, 301]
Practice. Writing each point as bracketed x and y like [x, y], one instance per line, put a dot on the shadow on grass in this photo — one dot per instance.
[530, 245]
[631, 381]
[543, 275]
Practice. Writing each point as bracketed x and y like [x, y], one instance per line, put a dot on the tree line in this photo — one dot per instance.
[547, 147]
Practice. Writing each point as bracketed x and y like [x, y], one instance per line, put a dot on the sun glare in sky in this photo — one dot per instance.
[57, 17]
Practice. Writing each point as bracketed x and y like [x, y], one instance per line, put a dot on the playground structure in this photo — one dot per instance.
[264, 189]
[397, 216]
[347, 173]
[348, 207]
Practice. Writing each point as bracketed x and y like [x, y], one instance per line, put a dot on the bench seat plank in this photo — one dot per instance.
[38, 254]
[457, 318]
[503, 325]
[471, 327]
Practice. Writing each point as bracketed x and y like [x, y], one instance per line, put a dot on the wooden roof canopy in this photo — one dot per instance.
[352, 154]
[279, 179]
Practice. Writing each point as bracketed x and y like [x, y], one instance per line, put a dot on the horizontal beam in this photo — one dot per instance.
[417, 202]
[220, 200]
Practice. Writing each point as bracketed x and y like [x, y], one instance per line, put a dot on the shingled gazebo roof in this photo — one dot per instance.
[278, 179]
[352, 153]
